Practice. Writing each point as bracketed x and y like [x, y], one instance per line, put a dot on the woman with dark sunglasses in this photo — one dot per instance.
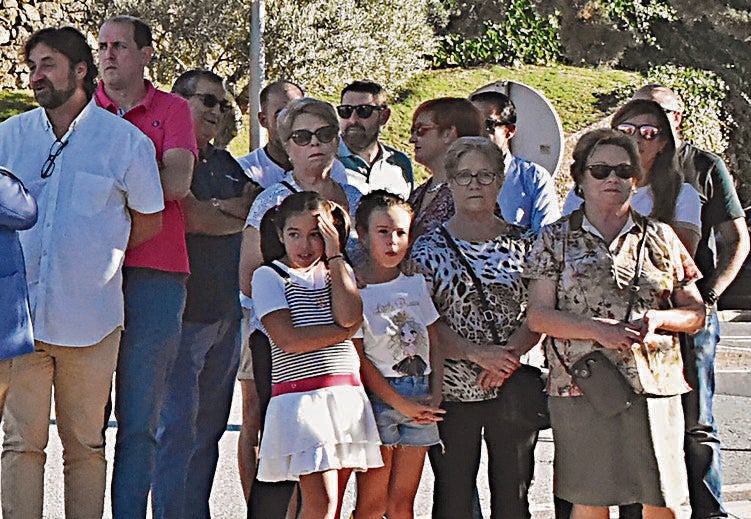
[309, 131]
[607, 279]
[436, 124]
[661, 193]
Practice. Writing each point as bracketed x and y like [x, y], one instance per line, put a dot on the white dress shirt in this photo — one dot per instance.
[74, 254]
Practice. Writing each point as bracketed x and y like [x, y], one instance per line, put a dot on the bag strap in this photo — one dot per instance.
[487, 314]
[289, 186]
[276, 268]
[633, 287]
[417, 205]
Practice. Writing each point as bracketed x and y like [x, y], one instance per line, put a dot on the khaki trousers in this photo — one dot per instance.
[82, 378]
[4, 383]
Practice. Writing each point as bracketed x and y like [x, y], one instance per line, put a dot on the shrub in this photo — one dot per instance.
[324, 44]
[705, 122]
[523, 36]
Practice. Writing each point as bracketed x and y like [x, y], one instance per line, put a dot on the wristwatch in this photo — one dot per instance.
[710, 299]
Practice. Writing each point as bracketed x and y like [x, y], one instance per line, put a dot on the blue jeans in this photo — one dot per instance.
[702, 443]
[154, 303]
[194, 417]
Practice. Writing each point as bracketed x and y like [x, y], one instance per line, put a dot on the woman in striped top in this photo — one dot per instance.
[319, 421]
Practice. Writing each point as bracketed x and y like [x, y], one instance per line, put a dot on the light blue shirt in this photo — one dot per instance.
[528, 196]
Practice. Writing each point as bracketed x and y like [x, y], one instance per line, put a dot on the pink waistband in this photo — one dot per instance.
[313, 383]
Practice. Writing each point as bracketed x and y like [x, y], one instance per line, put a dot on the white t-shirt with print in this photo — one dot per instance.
[395, 335]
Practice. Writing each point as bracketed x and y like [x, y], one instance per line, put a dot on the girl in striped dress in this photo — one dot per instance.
[319, 421]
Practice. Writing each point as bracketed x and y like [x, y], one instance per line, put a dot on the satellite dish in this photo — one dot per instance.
[539, 134]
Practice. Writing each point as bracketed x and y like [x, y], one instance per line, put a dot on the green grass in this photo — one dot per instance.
[13, 102]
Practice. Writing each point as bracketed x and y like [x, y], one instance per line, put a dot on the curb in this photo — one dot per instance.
[736, 316]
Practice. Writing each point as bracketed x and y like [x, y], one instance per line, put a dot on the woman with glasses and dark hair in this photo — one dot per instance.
[435, 125]
[661, 192]
[309, 131]
[480, 354]
[612, 284]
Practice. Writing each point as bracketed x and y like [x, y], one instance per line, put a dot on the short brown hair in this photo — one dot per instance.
[456, 112]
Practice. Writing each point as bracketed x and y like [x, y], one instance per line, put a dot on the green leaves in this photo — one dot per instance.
[523, 37]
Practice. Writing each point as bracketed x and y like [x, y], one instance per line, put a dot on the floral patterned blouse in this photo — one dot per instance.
[429, 216]
[593, 280]
[498, 264]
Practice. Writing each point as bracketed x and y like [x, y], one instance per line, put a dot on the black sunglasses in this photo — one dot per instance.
[362, 111]
[648, 132]
[601, 171]
[55, 150]
[492, 124]
[324, 134]
[210, 101]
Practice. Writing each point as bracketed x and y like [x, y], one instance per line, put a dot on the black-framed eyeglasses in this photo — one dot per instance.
[648, 132]
[602, 171]
[483, 177]
[210, 101]
[362, 111]
[492, 124]
[324, 134]
[55, 150]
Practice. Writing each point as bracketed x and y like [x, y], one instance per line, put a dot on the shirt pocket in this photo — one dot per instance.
[91, 193]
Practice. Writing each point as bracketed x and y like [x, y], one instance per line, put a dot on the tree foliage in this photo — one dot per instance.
[325, 44]
[321, 44]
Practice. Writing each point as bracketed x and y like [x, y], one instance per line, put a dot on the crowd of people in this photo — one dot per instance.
[371, 322]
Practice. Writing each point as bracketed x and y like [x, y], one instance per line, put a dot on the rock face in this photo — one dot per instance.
[19, 19]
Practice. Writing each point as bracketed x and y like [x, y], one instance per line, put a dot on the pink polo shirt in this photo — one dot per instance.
[166, 120]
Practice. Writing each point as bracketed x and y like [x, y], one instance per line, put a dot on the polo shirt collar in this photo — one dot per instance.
[109, 105]
[344, 151]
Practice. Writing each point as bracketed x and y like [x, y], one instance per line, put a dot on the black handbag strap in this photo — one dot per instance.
[289, 186]
[633, 288]
[487, 314]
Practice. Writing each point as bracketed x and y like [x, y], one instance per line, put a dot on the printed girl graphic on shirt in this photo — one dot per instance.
[408, 338]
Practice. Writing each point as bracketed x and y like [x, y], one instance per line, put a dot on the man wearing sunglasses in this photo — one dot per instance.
[528, 196]
[199, 392]
[370, 164]
[155, 272]
[723, 219]
[96, 183]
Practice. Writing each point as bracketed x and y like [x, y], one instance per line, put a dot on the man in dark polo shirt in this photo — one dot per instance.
[720, 254]
[199, 389]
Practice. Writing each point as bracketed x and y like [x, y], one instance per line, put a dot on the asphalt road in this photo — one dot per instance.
[732, 406]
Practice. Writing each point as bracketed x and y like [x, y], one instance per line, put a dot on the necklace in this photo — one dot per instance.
[433, 188]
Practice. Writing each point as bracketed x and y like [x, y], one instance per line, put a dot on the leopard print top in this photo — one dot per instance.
[498, 264]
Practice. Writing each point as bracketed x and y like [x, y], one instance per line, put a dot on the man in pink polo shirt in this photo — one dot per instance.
[155, 271]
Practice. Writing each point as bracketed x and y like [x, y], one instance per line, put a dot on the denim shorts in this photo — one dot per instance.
[393, 426]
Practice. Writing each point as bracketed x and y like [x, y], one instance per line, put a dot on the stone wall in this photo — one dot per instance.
[19, 19]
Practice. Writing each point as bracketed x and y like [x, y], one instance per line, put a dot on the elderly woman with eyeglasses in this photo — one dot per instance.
[474, 241]
[435, 125]
[309, 131]
[661, 192]
[590, 291]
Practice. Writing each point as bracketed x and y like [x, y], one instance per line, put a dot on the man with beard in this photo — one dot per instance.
[370, 164]
[97, 187]
[155, 272]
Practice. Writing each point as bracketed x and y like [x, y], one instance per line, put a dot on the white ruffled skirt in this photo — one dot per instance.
[319, 430]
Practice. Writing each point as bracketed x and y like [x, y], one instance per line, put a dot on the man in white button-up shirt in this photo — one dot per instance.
[96, 183]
